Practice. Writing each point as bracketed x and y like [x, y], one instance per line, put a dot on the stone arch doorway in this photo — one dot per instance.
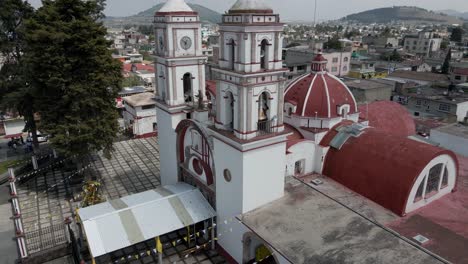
[255, 250]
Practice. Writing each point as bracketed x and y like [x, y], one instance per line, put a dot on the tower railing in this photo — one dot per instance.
[265, 127]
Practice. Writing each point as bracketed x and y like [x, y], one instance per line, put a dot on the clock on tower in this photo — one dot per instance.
[180, 75]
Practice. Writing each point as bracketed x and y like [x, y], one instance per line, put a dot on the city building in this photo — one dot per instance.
[368, 91]
[140, 115]
[459, 72]
[452, 108]
[363, 67]
[380, 41]
[422, 44]
[298, 59]
[273, 173]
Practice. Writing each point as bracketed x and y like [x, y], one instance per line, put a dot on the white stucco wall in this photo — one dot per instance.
[462, 111]
[257, 179]
[167, 124]
[229, 199]
[302, 151]
[263, 176]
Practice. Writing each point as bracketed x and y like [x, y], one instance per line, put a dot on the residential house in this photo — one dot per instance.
[140, 115]
[298, 60]
[459, 72]
[368, 91]
[422, 44]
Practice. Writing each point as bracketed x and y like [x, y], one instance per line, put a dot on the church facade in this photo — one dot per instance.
[239, 142]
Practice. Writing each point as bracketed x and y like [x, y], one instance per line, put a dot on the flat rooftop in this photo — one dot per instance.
[308, 226]
[367, 84]
[455, 130]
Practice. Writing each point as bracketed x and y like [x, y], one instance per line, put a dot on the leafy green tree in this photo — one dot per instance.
[132, 81]
[75, 76]
[444, 45]
[333, 43]
[457, 34]
[387, 32]
[15, 92]
[393, 56]
[446, 65]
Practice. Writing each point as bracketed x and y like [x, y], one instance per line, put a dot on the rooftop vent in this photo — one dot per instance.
[420, 239]
[316, 182]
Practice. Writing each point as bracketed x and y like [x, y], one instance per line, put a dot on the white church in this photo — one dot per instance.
[246, 144]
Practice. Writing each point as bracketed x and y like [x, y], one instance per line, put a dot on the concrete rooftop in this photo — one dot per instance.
[455, 130]
[307, 226]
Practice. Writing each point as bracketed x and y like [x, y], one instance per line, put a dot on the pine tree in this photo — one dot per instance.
[76, 78]
[457, 34]
[446, 66]
[15, 92]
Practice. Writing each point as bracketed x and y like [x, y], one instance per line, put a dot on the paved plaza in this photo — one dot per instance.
[53, 195]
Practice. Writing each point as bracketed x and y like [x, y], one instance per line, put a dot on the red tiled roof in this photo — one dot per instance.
[140, 67]
[389, 117]
[319, 93]
[460, 71]
[380, 166]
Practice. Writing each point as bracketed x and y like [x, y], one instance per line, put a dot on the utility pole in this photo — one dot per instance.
[315, 14]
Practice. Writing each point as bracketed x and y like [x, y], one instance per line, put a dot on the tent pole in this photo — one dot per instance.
[159, 249]
[213, 244]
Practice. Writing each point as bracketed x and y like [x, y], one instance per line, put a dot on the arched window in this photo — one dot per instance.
[188, 92]
[264, 125]
[232, 53]
[264, 54]
[345, 59]
[434, 181]
[229, 110]
[263, 107]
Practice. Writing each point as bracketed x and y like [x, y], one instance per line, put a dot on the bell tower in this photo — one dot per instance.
[249, 78]
[180, 77]
[248, 136]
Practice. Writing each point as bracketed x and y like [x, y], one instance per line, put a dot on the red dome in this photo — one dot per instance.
[319, 92]
[389, 117]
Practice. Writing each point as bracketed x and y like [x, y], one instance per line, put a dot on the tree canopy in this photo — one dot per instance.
[457, 34]
[76, 79]
[446, 66]
[15, 92]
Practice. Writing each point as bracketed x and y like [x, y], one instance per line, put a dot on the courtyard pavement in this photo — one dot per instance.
[8, 251]
[48, 199]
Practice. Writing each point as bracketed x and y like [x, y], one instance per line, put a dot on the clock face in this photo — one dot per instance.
[161, 43]
[186, 43]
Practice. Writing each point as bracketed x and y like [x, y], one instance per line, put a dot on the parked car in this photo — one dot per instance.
[41, 138]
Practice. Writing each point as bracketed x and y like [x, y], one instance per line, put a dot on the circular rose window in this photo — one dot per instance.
[197, 166]
[227, 175]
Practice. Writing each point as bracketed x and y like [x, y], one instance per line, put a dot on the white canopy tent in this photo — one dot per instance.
[124, 222]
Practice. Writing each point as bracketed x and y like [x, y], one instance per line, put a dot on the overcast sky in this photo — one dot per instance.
[291, 9]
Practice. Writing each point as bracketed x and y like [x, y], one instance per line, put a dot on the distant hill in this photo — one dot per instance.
[403, 13]
[146, 17]
[455, 13]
